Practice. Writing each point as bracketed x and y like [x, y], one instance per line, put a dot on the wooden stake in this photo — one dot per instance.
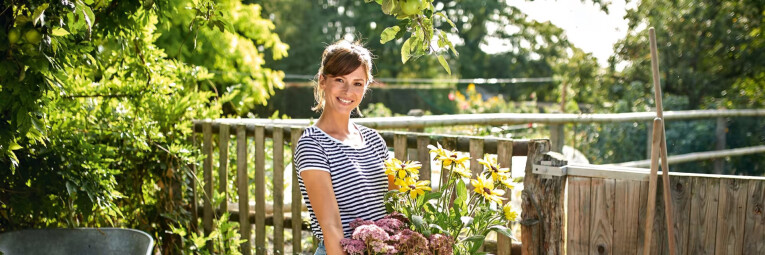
[663, 150]
[655, 148]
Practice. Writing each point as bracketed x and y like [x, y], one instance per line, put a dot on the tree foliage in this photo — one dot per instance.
[96, 103]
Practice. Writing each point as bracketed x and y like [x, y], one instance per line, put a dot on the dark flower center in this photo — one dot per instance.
[487, 190]
[403, 165]
[454, 156]
[494, 168]
[412, 187]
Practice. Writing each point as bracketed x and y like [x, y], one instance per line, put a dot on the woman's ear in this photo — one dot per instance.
[322, 78]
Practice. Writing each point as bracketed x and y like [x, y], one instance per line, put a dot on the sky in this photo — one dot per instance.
[586, 26]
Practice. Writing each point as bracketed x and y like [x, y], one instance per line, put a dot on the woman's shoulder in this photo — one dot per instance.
[311, 135]
[370, 133]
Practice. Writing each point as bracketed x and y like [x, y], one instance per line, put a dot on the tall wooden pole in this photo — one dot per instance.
[663, 139]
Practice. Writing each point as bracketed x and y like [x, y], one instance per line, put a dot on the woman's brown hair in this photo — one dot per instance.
[341, 58]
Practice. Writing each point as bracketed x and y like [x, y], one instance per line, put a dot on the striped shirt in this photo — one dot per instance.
[358, 176]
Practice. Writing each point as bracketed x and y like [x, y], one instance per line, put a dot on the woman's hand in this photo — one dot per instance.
[318, 185]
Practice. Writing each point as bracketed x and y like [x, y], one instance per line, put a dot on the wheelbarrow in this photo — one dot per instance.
[76, 241]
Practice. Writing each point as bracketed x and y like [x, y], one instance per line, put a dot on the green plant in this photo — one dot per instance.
[465, 215]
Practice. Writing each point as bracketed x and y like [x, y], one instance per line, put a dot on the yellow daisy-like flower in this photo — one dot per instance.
[453, 158]
[415, 188]
[439, 151]
[497, 173]
[461, 171]
[506, 181]
[393, 167]
[486, 189]
[510, 214]
[399, 169]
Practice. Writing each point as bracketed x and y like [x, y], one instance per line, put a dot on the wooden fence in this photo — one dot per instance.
[566, 209]
[275, 213]
[605, 209]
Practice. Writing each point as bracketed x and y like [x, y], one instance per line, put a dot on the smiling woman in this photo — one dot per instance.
[339, 163]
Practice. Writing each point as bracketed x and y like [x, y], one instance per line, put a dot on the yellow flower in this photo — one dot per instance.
[452, 158]
[447, 157]
[486, 189]
[399, 169]
[497, 173]
[439, 151]
[461, 171]
[415, 188]
[510, 214]
[506, 181]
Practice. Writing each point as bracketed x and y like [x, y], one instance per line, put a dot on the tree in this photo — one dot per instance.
[95, 110]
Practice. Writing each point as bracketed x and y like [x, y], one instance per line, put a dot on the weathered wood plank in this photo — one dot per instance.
[207, 149]
[242, 184]
[505, 159]
[658, 244]
[260, 191]
[476, 152]
[223, 135]
[602, 221]
[626, 214]
[681, 208]
[731, 216]
[423, 155]
[278, 192]
[399, 147]
[297, 197]
[579, 201]
[754, 226]
[642, 219]
[704, 205]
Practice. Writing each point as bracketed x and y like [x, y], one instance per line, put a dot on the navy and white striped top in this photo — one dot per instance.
[358, 175]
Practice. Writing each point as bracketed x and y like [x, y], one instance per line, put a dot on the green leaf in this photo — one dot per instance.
[387, 6]
[58, 31]
[502, 230]
[477, 241]
[39, 16]
[447, 20]
[461, 195]
[389, 33]
[418, 222]
[432, 195]
[14, 146]
[444, 63]
[437, 227]
[405, 50]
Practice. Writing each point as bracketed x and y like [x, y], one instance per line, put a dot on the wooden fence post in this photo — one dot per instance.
[720, 131]
[557, 137]
[542, 218]
[243, 192]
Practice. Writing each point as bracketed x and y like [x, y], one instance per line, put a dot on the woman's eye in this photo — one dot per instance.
[339, 80]
[358, 84]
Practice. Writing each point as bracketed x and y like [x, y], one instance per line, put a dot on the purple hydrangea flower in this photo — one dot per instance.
[353, 247]
[410, 242]
[398, 216]
[442, 244]
[390, 225]
[358, 222]
[369, 233]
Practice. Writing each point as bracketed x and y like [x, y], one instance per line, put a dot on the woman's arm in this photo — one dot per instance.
[318, 185]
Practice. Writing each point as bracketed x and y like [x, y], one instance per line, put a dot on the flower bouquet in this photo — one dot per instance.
[452, 220]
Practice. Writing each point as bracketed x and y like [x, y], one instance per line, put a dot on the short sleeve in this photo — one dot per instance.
[382, 148]
[309, 155]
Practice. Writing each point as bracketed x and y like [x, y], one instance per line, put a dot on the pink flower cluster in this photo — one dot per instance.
[391, 235]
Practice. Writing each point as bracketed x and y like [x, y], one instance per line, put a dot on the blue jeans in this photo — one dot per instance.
[321, 250]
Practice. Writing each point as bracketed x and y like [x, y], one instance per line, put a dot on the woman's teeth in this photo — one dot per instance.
[344, 101]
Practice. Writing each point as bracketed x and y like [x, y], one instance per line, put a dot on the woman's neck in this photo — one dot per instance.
[335, 124]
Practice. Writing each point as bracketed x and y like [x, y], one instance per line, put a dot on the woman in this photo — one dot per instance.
[339, 163]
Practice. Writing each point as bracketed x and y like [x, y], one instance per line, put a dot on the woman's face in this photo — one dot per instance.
[343, 93]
